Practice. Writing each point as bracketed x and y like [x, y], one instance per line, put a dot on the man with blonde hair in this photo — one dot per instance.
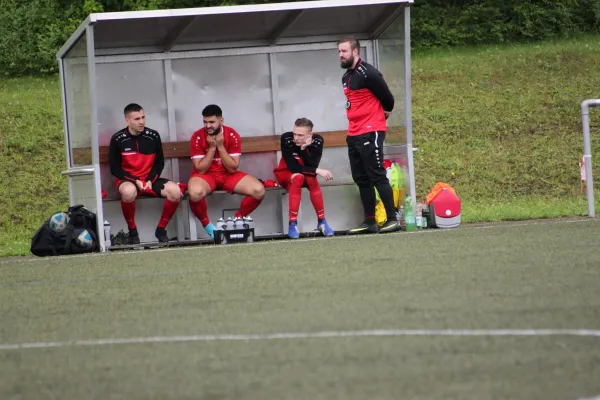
[301, 152]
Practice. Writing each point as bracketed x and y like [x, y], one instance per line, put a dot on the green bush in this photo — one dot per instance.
[32, 31]
[443, 23]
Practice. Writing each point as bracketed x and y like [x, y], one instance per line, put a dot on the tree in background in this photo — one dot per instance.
[31, 32]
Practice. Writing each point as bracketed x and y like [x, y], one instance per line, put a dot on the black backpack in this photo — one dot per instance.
[47, 242]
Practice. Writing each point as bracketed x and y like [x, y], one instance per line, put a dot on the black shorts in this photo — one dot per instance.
[366, 159]
[157, 187]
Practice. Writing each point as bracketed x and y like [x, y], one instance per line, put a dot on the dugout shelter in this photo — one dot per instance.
[265, 65]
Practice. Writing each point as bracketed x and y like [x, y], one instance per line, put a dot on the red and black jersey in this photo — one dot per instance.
[133, 157]
[231, 140]
[368, 96]
[300, 161]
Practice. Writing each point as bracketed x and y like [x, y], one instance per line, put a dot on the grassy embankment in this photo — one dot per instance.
[499, 123]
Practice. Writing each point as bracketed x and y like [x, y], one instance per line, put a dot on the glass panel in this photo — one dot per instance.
[84, 191]
[119, 84]
[240, 85]
[390, 46]
[77, 94]
[310, 85]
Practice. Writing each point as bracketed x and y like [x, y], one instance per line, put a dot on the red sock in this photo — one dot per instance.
[169, 208]
[129, 213]
[295, 193]
[199, 208]
[248, 205]
[316, 196]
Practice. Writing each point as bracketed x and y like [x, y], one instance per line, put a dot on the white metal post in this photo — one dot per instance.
[94, 132]
[408, 109]
[587, 153]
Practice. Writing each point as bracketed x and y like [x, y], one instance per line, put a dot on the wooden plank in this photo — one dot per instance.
[334, 138]
[255, 144]
[259, 144]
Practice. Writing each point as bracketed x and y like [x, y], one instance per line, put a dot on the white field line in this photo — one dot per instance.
[308, 335]
[279, 242]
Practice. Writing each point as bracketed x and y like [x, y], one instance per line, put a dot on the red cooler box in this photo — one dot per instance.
[444, 210]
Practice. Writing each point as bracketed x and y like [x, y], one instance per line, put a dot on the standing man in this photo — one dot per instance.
[136, 160]
[216, 151]
[301, 153]
[368, 104]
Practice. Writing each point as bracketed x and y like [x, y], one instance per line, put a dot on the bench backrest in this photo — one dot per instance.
[256, 144]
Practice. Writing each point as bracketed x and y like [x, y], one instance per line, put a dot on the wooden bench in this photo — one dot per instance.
[253, 144]
[256, 144]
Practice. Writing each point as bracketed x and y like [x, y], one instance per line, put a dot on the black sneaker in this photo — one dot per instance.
[133, 237]
[390, 226]
[161, 235]
[364, 228]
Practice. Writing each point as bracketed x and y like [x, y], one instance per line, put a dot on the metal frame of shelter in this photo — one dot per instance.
[167, 36]
[587, 153]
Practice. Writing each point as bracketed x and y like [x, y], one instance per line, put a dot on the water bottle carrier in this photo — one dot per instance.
[244, 235]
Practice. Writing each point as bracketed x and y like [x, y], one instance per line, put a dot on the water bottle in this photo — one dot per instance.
[248, 222]
[221, 225]
[401, 217]
[420, 215]
[411, 223]
[230, 224]
[425, 214]
[107, 242]
[239, 223]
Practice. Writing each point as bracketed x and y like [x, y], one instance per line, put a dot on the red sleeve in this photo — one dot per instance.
[234, 144]
[197, 145]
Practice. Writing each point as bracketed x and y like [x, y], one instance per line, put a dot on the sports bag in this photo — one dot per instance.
[78, 236]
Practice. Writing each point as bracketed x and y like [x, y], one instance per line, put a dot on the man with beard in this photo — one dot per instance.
[368, 104]
[216, 151]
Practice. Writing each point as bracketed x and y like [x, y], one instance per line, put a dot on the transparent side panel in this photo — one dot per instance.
[310, 85]
[390, 47]
[77, 96]
[84, 191]
[119, 84]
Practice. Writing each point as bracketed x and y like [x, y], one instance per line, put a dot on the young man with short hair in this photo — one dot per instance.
[216, 151]
[301, 152]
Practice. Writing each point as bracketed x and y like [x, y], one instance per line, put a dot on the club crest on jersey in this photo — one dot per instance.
[348, 104]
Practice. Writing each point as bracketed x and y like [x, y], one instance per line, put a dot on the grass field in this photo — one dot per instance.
[248, 321]
[501, 124]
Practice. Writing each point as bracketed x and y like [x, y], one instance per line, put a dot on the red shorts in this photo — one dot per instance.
[284, 179]
[221, 180]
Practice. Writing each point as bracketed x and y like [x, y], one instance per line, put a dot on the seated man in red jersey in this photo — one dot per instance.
[136, 160]
[301, 153]
[216, 151]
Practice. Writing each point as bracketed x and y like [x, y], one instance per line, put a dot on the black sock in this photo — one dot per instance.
[387, 197]
[367, 196]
